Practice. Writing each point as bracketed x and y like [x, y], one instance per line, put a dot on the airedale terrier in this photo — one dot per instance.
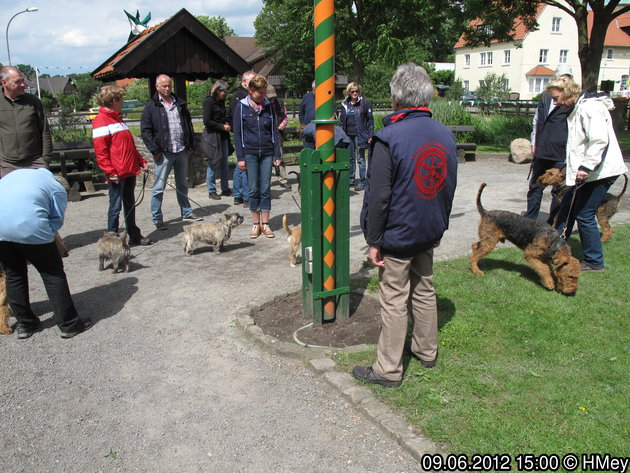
[608, 207]
[543, 246]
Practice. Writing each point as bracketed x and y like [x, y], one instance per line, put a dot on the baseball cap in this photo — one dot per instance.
[564, 70]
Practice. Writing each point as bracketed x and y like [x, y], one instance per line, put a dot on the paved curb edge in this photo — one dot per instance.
[318, 360]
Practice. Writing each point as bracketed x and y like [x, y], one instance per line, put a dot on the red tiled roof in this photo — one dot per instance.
[541, 71]
[615, 35]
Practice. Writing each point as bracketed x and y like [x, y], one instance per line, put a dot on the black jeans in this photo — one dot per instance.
[121, 194]
[534, 195]
[45, 258]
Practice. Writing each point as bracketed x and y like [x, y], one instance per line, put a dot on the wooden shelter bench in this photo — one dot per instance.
[74, 161]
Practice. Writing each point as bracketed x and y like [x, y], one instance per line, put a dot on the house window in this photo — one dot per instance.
[481, 82]
[542, 56]
[489, 58]
[467, 85]
[467, 60]
[506, 56]
[564, 56]
[482, 59]
[506, 84]
[609, 54]
[555, 24]
[537, 84]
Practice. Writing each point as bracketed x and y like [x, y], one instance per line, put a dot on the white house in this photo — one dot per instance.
[529, 67]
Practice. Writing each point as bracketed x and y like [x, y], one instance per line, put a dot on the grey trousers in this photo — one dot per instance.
[406, 286]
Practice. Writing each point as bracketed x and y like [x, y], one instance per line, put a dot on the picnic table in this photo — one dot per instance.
[74, 161]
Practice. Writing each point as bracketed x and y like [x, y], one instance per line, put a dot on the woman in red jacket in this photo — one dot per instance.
[117, 156]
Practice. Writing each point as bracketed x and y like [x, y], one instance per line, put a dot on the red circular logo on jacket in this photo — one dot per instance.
[430, 169]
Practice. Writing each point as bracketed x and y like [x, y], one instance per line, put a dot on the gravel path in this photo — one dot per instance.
[165, 382]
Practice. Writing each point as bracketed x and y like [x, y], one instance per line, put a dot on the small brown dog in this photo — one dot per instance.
[543, 246]
[114, 248]
[5, 313]
[294, 239]
[609, 206]
[214, 234]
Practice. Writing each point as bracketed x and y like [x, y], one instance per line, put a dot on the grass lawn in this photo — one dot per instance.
[521, 369]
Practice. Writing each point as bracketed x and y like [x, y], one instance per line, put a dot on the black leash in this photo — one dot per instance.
[564, 231]
[138, 199]
[181, 193]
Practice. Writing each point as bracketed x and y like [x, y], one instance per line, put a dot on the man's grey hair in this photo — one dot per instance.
[411, 86]
[6, 71]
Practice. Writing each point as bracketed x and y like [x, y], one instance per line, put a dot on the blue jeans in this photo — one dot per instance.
[240, 185]
[121, 195]
[259, 179]
[356, 154]
[222, 165]
[163, 165]
[587, 200]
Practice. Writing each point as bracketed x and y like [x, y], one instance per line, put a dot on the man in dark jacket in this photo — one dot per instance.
[24, 132]
[411, 182]
[549, 147]
[307, 112]
[239, 185]
[167, 132]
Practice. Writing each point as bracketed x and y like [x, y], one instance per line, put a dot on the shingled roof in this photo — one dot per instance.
[181, 46]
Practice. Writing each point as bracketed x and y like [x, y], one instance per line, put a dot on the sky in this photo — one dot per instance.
[72, 36]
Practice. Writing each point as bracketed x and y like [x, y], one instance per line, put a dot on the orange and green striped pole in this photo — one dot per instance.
[324, 137]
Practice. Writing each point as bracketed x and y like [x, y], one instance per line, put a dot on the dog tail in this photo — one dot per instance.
[297, 174]
[625, 184]
[286, 225]
[480, 208]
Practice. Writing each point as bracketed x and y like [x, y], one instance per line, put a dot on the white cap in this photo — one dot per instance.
[564, 70]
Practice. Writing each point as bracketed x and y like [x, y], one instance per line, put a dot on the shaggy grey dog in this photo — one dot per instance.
[115, 248]
[215, 233]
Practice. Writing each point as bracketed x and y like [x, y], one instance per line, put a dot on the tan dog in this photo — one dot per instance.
[543, 246]
[214, 234]
[114, 248]
[294, 239]
[609, 206]
[5, 313]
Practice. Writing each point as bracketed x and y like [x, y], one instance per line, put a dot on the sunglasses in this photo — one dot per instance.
[354, 91]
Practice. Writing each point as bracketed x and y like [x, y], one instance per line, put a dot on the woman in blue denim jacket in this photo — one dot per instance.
[257, 146]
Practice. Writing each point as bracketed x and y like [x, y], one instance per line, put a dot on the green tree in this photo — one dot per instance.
[495, 21]
[27, 70]
[218, 25]
[492, 89]
[138, 90]
[371, 38]
[86, 86]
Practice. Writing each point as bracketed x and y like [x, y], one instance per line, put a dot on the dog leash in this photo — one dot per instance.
[564, 231]
[180, 193]
[138, 200]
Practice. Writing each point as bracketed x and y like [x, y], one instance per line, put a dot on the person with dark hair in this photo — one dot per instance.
[411, 182]
[216, 138]
[594, 162]
[32, 208]
[167, 132]
[120, 161]
[257, 148]
[24, 133]
[240, 184]
[355, 116]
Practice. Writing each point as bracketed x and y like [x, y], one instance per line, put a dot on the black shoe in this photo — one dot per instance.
[368, 375]
[407, 351]
[143, 241]
[161, 226]
[192, 218]
[246, 204]
[81, 327]
[214, 196]
[359, 187]
[27, 332]
[287, 186]
[238, 201]
[226, 193]
[587, 268]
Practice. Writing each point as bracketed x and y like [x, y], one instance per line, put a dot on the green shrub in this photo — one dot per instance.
[500, 129]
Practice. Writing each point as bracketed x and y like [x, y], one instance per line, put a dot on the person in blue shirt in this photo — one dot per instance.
[32, 207]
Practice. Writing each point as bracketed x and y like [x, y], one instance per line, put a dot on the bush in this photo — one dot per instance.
[500, 129]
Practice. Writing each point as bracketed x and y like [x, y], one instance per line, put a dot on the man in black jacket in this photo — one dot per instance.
[549, 147]
[167, 132]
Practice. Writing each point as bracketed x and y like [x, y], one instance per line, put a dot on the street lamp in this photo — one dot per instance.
[29, 9]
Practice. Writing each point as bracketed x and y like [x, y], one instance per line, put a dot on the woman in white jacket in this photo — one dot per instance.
[594, 162]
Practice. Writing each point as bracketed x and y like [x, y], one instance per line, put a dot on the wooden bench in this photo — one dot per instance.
[74, 161]
[463, 148]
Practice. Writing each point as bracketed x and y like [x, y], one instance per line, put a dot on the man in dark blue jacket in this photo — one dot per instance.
[549, 147]
[167, 132]
[411, 182]
[307, 112]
